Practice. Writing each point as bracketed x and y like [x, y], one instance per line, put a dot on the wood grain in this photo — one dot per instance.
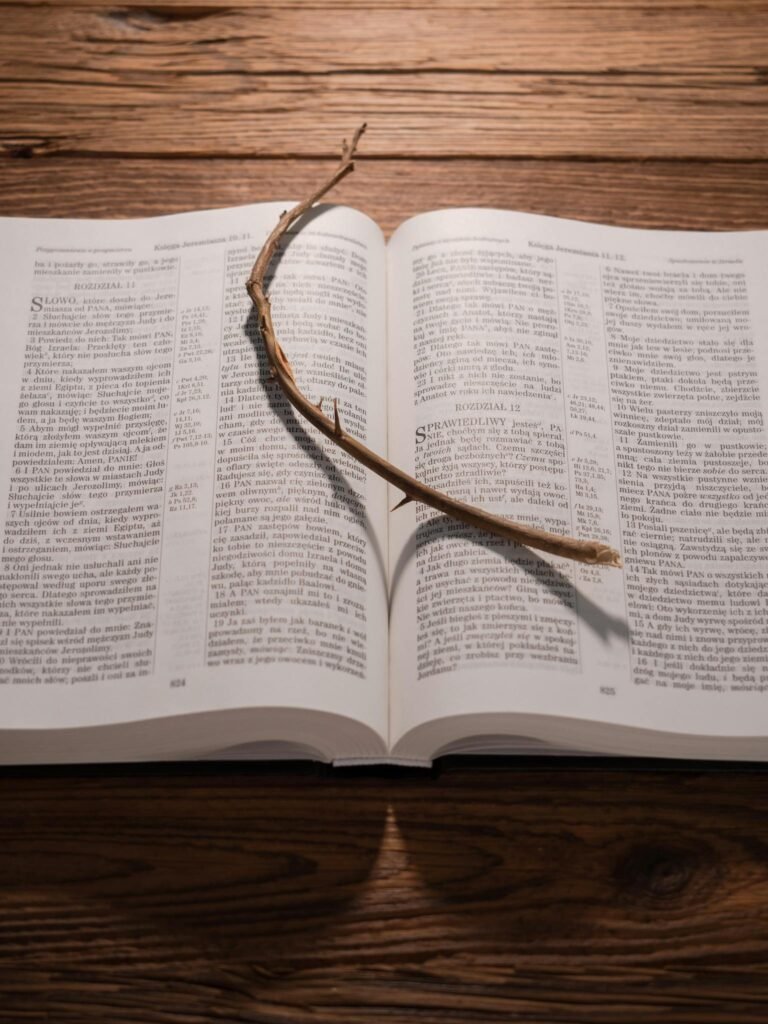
[618, 116]
[251, 896]
[573, 895]
[185, 10]
[101, 45]
[676, 195]
[688, 82]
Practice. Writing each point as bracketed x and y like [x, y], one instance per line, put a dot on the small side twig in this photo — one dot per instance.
[592, 552]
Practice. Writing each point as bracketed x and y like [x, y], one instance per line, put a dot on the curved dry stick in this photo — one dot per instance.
[592, 552]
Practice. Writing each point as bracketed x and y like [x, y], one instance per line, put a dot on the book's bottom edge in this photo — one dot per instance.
[401, 762]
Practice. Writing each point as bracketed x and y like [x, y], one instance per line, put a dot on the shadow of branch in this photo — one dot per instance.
[525, 560]
[295, 429]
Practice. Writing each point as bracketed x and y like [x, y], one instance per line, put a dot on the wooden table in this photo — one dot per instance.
[511, 892]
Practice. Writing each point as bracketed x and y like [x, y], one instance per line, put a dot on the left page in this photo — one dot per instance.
[175, 540]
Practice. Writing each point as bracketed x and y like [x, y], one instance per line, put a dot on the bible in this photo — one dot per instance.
[189, 570]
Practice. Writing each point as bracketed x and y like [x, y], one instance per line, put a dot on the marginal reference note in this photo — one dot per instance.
[188, 568]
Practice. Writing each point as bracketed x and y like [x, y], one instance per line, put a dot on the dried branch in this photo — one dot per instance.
[591, 552]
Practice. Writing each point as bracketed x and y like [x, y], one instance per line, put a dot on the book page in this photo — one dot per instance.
[603, 383]
[174, 538]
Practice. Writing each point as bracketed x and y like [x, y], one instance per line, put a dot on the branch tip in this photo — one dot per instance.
[348, 148]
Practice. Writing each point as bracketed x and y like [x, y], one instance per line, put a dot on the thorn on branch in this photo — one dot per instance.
[336, 419]
[403, 501]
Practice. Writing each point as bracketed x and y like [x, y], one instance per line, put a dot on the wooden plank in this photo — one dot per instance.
[192, 10]
[275, 82]
[682, 195]
[621, 116]
[558, 896]
[80, 44]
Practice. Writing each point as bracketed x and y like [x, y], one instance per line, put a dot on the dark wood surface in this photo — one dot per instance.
[189, 895]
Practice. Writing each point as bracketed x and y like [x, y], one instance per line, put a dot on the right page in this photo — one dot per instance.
[609, 384]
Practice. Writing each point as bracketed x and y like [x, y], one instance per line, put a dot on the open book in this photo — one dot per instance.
[189, 570]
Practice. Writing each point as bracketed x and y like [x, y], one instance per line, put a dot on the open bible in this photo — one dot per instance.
[188, 570]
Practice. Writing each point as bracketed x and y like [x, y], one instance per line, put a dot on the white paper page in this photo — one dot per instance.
[600, 382]
[175, 539]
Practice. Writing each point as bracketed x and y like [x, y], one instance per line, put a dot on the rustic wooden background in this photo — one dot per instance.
[282, 896]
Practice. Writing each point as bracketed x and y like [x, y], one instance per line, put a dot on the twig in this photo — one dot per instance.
[592, 552]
